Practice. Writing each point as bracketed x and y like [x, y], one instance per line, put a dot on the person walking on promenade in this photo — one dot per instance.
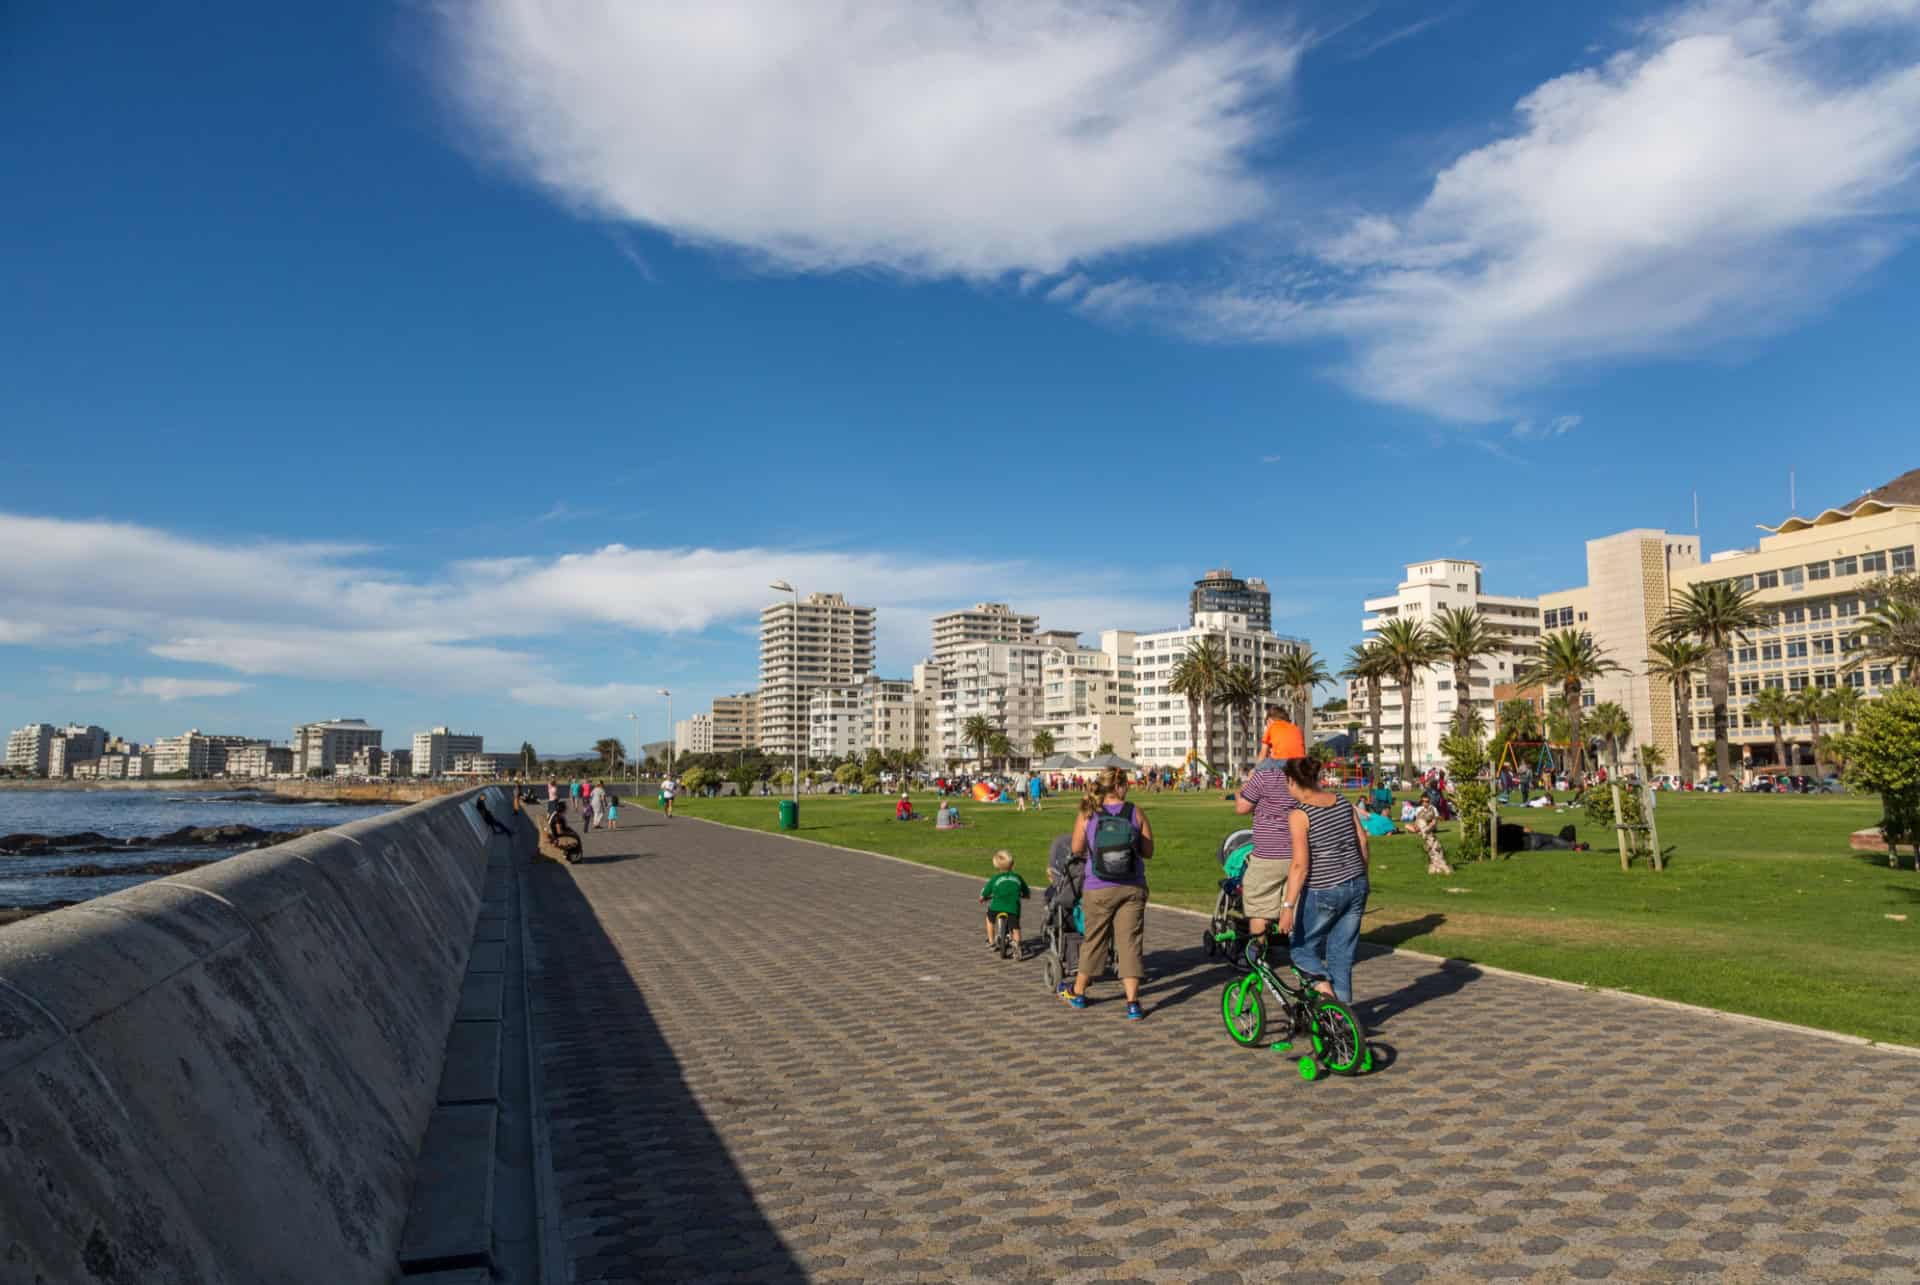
[600, 805]
[1114, 837]
[1263, 886]
[1327, 887]
[553, 789]
[668, 789]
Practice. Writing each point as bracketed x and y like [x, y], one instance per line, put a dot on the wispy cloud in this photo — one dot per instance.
[629, 250]
[160, 688]
[931, 139]
[1371, 47]
[1535, 430]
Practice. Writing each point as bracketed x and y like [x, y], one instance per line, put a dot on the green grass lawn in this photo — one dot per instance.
[1762, 909]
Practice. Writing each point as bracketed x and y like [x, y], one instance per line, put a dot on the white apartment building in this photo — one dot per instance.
[896, 714]
[398, 764]
[481, 764]
[1161, 737]
[1088, 695]
[982, 623]
[196, 753]
[693, 735]
[112, 767]
[833, 722]
[28, 748]
[823, 642]
[72, 745]
[370, 761]
[260, 759]
[330, 746]
[736, 722]
[434, 751]
[1428, 587]
[1001, 682]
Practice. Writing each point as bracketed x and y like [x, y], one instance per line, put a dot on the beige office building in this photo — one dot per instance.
[1429, 587]
[823, 642]
[1631, 578]
[196, 753]
[984, 622]
[1088, 694]
[736, 722]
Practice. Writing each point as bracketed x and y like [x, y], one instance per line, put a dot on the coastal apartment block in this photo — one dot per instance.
[1161, 736]
[196, 753]
[28, 748]
[693, 735]
[434, 751]
[330, 746]
[984, 622]
[1088, 695]
[822, 641]
[736, 722]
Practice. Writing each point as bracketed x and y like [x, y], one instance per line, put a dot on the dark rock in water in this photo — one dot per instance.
[89, 843]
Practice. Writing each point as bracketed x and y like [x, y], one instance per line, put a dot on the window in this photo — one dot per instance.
[1748, 686]
[1586, 700]
[1856, 679]
[1846, 566]
[1749, 654]
[1793, 615]
[1824, 681]
[1818, 570]
[1823, 646]
[1797, 649]
[1746, 582]
[1883, 675]
[1583, 617]
[1793, 577]
[1770, 651]
[1873, 562]
[1796, 682]
[1903, 559]
[1769, 579]
[1848, 607]
[1820, 611]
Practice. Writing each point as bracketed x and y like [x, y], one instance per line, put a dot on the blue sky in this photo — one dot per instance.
[482, 363]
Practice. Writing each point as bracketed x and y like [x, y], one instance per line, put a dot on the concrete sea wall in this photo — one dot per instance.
[224, 1076]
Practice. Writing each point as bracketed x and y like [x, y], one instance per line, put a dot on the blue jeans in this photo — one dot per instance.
[1326, 931]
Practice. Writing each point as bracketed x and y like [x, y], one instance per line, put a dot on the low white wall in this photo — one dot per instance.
[224, 1075]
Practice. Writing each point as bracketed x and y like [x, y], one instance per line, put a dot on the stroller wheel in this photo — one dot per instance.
[1055, 974]
[1209, 945]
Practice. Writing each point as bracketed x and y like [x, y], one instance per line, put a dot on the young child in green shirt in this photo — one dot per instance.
[1003, 894]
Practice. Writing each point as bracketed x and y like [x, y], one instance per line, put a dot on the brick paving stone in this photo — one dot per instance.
[766, 1060]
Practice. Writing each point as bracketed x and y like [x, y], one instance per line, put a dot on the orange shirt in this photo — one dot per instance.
[1282, 740]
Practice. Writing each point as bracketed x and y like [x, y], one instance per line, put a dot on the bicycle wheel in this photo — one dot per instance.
[1337, 1037]
[1242, 1009]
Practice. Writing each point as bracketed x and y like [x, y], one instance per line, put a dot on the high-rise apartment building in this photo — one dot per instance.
[72, 745]
[1160, 727]
[1428, 587]
[196, 753]
[736, 722]
[331, 746]
[895, 714]
[1630, 581]
[824, 641]
[434, 751]
[28, 747]
[693, 735]
[1001, 682]
[984, 622]
[833, 722]
[1220, 590]
[1088, 695]
[260, 759]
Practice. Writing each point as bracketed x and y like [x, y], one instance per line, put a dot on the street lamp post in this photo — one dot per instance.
[782, 586]
[672, 738]
[635, 720]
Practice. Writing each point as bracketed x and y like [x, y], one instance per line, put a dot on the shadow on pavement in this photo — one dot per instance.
[644, 1183]
[1448, 979]
[1401, 933]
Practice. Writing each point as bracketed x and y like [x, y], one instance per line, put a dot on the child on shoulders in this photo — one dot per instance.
[1279, 742]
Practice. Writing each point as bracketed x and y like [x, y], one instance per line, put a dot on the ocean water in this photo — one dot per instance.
[124, 814]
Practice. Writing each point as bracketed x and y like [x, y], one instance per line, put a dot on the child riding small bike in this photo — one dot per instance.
[1003, 894]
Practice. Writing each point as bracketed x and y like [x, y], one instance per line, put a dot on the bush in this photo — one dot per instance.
[1472, 796]
[1598, 804]
[1883, 755]
[697, 779]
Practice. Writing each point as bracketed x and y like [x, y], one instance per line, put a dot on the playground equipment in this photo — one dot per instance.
[1543, 762]
[1344, 773]
[1187, 764]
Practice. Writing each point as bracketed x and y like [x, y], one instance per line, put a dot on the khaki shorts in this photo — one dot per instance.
[1118, 915]
[1263, 887]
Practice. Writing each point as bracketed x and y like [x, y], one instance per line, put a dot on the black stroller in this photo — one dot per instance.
[1227, 930]
[1066, 879]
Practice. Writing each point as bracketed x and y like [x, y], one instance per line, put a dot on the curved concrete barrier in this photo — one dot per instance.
[225, 1075]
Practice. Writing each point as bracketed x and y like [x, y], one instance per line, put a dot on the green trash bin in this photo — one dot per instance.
[789, 814]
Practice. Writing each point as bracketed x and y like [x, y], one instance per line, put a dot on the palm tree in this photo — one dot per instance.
[1001, 748]
[1889, 635]
[1568, 659]
[1410, 648]
[1241, 691]
[1677, 662]
[1197, 676]
[612, 753]
[1718, 613]
[1042, 743]
[1843, 706]
[1297, 674]
[978, 731]
[1463, 636]
[1772, 705]
[1612, 725]
[1368, 664]
[1810, 707]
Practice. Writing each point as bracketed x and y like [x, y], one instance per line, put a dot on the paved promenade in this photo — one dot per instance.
[766, 1060]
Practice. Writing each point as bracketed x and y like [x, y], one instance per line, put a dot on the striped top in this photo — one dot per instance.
[1272, 806]
[1333, 849]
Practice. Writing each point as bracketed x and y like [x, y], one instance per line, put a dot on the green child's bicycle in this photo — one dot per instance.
[1339, 1045]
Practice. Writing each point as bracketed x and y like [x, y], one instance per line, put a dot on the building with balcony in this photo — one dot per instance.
[1001, 682]
[1088, 694]
[261, 759]
[330, 746]
[984, 622]
[28, 748]
[434, 751]
[896, 714]
[833, 722]
[693, 735]
[196, 753]
[1161, 735]
[736, 722]
[823, 641]
[1429, 587]
[479, 763]
[1220, 590]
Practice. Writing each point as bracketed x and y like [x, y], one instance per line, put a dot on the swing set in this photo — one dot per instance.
[1543, 763]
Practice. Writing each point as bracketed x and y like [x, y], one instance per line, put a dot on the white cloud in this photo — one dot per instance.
[1735, 169]
[932, 137]
[173, 689]
[1559, 426]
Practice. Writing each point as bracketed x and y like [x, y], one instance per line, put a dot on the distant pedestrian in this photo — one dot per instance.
[613, 810]
[1033, 788]
[600, 805]
[668, 789]
[553, 789]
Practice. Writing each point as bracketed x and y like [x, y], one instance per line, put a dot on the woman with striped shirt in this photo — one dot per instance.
[1327, 887]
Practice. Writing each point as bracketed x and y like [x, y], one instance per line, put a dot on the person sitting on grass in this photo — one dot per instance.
[947, 818]
[903, 810]
[1003, 894]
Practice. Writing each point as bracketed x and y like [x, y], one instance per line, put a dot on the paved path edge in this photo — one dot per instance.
[1747, 1019]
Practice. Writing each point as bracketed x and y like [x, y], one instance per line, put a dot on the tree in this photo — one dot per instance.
[743, 777]
[1677, 662]
[1001, 748]
[1810, 707]
[1888, 635]
[1298, 673]
[1462, 636]
[1369, 665]
[1772, 705]
[1718, 614]
[1568, 659]
[1884, 756]
[847, 773]
[1242, 692]
[696, 779]
[978, 732]
[1653, 758]
[1042, 743]
[1611, 725]
[1409, 647]
[529, 755]
[1338, 705]
[1197, 676]
[1106, 747]
[612, 754]
[1843, 707]
[1472, 793]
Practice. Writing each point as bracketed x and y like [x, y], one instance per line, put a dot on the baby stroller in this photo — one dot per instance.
[1066, 879]
[1227, 930]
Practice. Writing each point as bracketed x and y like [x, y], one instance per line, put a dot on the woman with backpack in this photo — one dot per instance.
[1114, 837]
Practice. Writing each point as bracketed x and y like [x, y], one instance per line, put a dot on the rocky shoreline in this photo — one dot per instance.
[92, 843]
